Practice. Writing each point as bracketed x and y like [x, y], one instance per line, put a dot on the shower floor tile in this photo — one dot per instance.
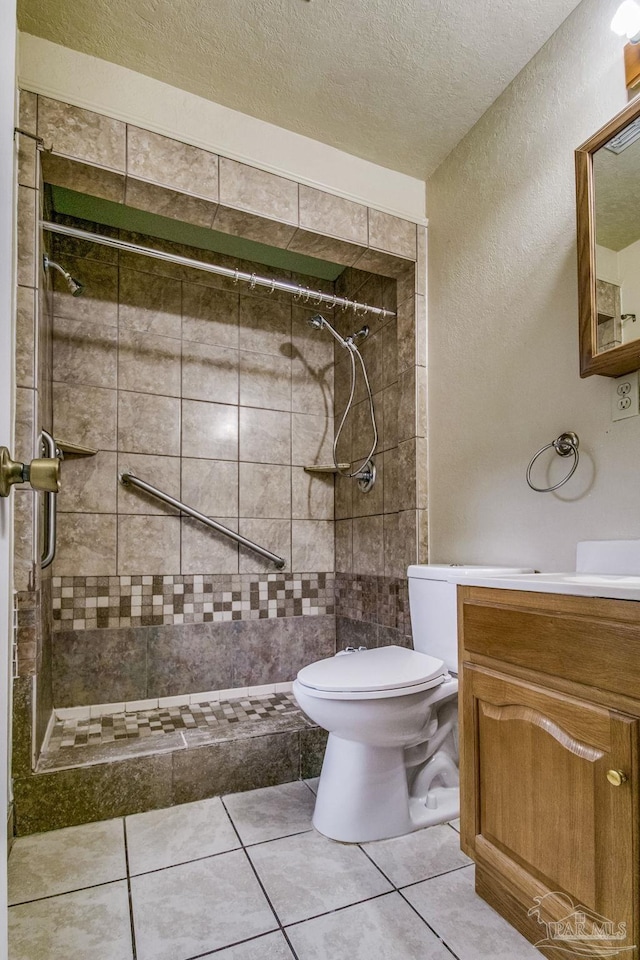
[227, 717]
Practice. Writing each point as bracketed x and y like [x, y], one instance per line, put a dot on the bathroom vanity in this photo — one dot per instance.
[549, 739]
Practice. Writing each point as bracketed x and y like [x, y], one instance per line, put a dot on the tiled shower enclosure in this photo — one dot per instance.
[221, 395]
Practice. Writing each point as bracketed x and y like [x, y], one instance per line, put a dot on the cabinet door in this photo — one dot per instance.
[540, 814]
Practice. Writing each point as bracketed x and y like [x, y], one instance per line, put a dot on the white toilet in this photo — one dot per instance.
[391, 763]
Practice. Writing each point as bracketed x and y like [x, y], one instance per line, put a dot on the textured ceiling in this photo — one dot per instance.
[397, 82]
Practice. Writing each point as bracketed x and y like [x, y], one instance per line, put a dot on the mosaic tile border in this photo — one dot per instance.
[85, 603]
[374, 599]
[215, 715]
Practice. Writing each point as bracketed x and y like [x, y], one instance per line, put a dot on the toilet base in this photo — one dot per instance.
[363, 795]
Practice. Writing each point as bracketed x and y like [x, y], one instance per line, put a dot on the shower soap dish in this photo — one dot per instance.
[327, 467]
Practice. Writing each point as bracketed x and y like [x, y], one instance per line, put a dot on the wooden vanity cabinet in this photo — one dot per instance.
[549, 738]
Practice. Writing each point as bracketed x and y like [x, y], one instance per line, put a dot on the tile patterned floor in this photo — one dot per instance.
[245, 877]
[136, 725]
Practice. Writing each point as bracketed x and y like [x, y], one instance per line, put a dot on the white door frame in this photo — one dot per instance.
[7, 341]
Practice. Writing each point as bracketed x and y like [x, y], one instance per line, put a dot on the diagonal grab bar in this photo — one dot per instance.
[130, 478]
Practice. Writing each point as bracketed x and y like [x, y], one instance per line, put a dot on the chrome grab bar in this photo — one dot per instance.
[50, 507]
[130, 478]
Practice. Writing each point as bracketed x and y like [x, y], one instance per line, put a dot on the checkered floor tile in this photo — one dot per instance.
[114, 727]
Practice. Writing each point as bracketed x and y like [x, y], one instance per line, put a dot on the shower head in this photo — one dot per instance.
[317, 321]
[75, 287]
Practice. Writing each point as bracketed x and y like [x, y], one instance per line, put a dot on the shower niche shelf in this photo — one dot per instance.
[326, 467]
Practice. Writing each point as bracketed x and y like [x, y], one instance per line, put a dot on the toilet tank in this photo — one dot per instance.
[433, 605]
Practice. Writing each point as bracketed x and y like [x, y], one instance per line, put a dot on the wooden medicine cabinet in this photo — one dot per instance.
[608, 218]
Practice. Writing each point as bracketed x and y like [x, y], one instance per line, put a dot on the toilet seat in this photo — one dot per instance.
[372, 674]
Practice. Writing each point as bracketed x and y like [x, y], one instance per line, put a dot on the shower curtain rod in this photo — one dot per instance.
[306, 295]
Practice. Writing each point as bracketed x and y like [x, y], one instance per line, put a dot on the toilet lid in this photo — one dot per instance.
[385, 668]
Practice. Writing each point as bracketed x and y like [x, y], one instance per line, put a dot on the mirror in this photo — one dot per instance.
[608, 196]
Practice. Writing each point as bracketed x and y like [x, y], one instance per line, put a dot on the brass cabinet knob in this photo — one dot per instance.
[616, 777]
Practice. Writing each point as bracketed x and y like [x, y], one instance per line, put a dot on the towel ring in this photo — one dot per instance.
[565, 445]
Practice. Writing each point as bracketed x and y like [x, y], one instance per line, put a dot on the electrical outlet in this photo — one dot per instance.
[624, 397]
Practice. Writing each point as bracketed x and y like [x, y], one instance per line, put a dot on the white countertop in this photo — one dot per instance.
[610, 586]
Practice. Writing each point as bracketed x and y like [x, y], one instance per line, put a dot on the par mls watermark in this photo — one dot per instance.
[580, 931]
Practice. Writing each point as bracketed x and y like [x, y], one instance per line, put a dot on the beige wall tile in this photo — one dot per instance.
[406, 284]
[28, 111]
[368, 546]
[325, 248]
[211, 486]
[209, 372]
[273, 535]
[171, 163]
[265, 491]
[397, 550]
[265, 325]
[392, 234]
[86, 545]
[26, 241]
[265, 435]
[205, 550]
[86, 249]
[248, 188]
[251, 227]
[311, 387]
[421, 401]
[343, 546]
[88, 484]
[325, 213]
[362, 430]
[97, 306]
[389, 334]
[27, 161]
[390, 398]
[85, 415]
[421, 473]
[82, 134]
[209, 315]
[25, 336]
[407, 404]
[311, 495]
[312, 545]
[85, 354]
[148, 545]
[421, 265]
[169, 203]
[148, 363]
[343, 497]
[315, 347]
[392, 478]
[384, 264]
[265, 381]
[421, 331]
[162, 472]
[209, 430]
[422, 555]
[311, 439]
[148, 424]
[406, 333]
[73, 175]
[406, 490]
[23, 535]
[149, 303]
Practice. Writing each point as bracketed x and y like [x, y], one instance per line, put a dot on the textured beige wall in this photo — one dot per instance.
[503, 321]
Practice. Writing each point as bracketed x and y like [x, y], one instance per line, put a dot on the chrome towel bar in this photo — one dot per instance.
[130, 478]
